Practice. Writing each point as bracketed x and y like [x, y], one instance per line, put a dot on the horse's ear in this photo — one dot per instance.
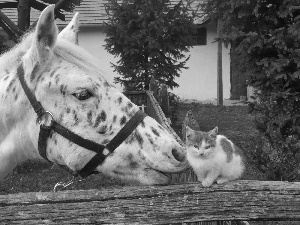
[70, 32]
[45, 33]
[45, 36]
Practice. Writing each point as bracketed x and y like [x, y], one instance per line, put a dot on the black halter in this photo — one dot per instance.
[45, 131]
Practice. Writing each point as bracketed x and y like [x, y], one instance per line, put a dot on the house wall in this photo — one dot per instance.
[198, 82]
[92, 40]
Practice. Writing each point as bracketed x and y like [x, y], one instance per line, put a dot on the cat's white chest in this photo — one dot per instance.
[202, 165]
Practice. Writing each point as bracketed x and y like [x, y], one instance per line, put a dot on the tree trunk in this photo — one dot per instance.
[220, 72]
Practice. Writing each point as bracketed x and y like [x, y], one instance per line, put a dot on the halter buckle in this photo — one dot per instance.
[46, 119]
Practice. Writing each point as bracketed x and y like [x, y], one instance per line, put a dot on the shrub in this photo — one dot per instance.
[266, 34]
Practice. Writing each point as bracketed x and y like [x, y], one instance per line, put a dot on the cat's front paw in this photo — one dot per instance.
[206, 183]
[222, 180]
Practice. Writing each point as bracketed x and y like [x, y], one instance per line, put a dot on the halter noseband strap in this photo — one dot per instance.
[45, 131]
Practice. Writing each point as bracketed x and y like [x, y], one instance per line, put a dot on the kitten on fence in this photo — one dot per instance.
[213, 157]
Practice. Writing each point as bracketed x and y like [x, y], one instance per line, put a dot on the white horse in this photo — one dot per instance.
[73, 94]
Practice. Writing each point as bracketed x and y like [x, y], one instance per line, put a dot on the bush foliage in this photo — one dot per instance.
[266, 34]
[150, 38]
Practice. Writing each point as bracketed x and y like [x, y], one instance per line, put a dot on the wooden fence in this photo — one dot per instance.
[184, 202]
[173, 204]
[146, 100]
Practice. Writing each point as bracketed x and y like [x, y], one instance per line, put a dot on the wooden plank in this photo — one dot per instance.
[8, 5]
[24, 14]
[10, 33]
[41, 6]
[239, 200]
[159, 115]
[11, 25]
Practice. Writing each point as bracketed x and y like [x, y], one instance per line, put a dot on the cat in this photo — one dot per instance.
[213, 157]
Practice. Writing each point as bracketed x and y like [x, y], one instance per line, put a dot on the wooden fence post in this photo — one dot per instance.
[189, 175]
[163, 99]
[190, 121]
[153, 86]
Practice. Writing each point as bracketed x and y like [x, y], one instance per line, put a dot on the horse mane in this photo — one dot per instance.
[9, 58]
[68, 51]
[78, 56]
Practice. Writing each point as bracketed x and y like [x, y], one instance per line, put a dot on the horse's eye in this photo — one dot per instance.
[207, 147]
[83, 95]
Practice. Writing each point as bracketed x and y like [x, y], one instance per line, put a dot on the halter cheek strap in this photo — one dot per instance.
[45, 131]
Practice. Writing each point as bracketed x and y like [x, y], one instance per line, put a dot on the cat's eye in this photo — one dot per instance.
[196, 146]
[207, 147]
[83, 95]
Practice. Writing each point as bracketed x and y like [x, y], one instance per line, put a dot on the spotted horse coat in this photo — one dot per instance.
[71, 85]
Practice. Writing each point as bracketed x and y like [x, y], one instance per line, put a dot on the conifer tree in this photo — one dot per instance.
[150, 38]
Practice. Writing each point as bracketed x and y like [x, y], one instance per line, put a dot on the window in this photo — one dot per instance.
[200, 37]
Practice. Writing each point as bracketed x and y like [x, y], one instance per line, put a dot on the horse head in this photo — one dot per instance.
[70, 85]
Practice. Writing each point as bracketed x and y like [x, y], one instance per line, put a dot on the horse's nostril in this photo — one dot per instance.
[178, 155]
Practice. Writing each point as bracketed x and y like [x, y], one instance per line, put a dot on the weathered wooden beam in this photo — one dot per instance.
[14, 31]
[9, 32]
[59, 4]
[24, 14]
[41, 6]
[4, 5]
[67, 5]
[239, 200]
[13, 27]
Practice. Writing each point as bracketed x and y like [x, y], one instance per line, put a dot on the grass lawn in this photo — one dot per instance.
[233, 122]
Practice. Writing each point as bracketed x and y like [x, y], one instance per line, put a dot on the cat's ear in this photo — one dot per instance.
[213, 133]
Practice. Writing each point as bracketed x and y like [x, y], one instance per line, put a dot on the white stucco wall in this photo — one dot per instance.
[198, 82]
[92, 40]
